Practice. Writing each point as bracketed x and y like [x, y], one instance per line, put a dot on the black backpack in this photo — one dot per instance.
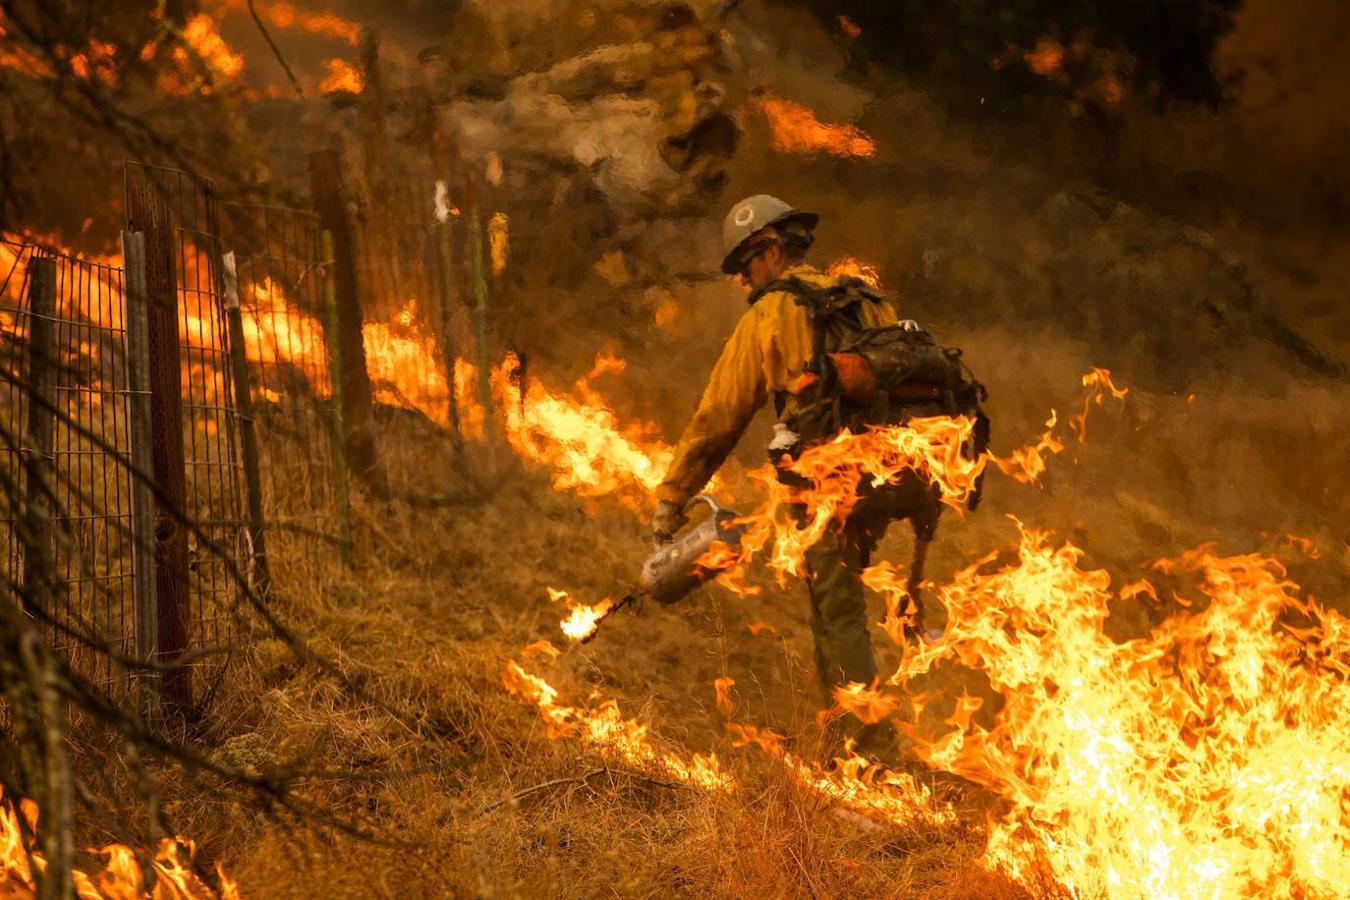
[862, 376]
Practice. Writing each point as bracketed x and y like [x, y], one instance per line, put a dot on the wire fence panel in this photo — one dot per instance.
[87, 486]
[398, 267]
[280, 282]
[212, 458]
[14, 326]
[418, 333]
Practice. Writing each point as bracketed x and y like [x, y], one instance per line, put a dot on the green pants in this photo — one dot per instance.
[839, 607]
[834, 581]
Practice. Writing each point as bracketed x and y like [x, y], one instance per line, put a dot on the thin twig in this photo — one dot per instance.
[520, 795]
[584, 778]
[276, 51]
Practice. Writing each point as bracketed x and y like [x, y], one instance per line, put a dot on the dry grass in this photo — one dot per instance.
[439, 601]
[441, 598]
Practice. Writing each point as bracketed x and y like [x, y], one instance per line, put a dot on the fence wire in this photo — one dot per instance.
[212, 458]
[280, 277]
[87, 486]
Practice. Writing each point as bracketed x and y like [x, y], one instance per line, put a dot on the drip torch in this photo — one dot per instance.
[673, 569]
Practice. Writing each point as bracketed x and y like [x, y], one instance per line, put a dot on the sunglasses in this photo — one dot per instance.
[748, 255]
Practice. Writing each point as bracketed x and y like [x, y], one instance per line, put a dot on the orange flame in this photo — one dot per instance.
[342, 76]
[855, 269]
[498, 230]
[1027, 464]
[854, 781]
[277, 332]
[794, 128]
[120, 878]
[1211, 757]
[725, 705]
[935, 449]
[19, 60]
[665, 314]
[866, 702]
[201, 35]
[582, 621]
[580, 440]
[288, 16]
[406, 370]
[605, 730]
[1046, 58]
[931, 448]
[1101, 380]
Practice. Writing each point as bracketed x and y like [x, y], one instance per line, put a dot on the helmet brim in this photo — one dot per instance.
[729, 262]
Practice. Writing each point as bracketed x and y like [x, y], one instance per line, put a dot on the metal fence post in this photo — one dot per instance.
[445, 257]
[42, 372]
[148, 212]
[146, 614]
[478, 282]
[340, 484]
[325, 169]
[261, 577]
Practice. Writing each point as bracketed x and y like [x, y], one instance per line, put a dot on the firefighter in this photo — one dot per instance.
[765, 240]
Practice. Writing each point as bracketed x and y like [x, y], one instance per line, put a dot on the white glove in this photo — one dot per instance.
[784, 439]
[909, 325]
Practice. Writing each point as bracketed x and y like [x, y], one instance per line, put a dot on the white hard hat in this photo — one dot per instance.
[752, 215]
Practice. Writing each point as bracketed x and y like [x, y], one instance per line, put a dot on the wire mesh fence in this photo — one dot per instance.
[67, 497]
[177, 212]
[164, 343]
[280, 273]
[411, 248]
[410, 321]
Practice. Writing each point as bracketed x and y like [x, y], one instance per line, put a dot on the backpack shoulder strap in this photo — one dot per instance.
[824, 305]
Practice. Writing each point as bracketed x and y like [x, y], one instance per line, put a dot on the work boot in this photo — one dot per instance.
[843, 736]
[878, 743]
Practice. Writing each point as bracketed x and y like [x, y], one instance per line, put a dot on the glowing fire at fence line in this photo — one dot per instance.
[121, 877]
[406, 371]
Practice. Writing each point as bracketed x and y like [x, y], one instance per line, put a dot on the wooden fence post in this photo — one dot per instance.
[146, 615]
[148, 212]
[41, 373]
[336, 430]
[358, 421]
[261, 576]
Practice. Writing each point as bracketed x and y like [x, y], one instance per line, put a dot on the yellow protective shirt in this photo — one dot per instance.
[767, 352]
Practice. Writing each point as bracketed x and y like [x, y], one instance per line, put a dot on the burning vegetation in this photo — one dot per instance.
[324, 481]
